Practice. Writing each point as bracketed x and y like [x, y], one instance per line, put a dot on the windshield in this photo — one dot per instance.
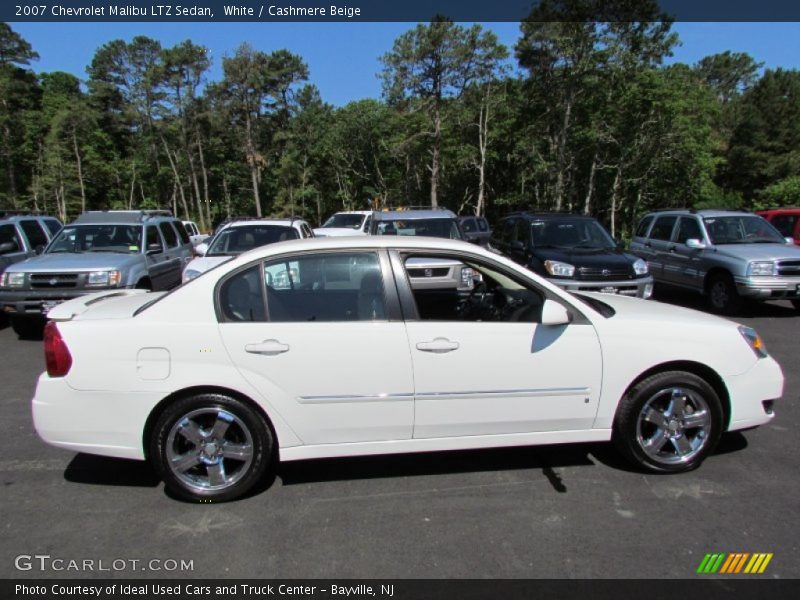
[347, 221]
[571, 233]
[742, 229]
[124, 239]
[441, 228]
[235, 240]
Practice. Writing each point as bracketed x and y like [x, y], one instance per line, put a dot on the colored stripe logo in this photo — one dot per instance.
[735, 563]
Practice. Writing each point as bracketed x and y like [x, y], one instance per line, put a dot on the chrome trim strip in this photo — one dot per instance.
[347, 398]
[524, 393]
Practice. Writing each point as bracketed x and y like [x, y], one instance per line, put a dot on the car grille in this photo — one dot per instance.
[595, 273]
[789, 268]
[54, 280]
[434, 272]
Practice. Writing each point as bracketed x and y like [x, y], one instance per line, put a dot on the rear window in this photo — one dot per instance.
[53, 225]
[34, 232]
[662, 230]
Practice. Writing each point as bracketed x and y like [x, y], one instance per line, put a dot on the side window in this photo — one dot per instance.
[153, 240]
[53, 226]
[492, 295]
[641, 230]
[483, 225]
[306, 231]
[785, 224]
[8, 235]
[34, 232]
[662, 230]
[520, 232]
[505, 234]
[170, 237]
[241, 297]
[181, 232]
[325, 287]
[469, 225]
[368, 224]
[688, 228]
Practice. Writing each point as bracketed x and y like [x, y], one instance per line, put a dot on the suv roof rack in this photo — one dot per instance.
[410, 207]
[120, 216]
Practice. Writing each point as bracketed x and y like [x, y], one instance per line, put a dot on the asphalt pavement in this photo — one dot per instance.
[560, 511]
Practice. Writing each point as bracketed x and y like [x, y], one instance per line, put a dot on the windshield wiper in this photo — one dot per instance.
[112, 250]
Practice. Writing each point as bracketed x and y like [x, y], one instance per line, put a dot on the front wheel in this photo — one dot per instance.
[27, 327]
[669, 422]
[723, 296]
[211, 448]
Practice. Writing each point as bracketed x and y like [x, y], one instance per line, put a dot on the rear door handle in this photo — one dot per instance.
[438, 346]
[267, 348]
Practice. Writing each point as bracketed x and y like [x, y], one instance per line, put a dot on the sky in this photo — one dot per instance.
[344, 58]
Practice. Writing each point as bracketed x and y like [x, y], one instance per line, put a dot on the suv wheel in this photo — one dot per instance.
[668, 422]
[27, 328]
[211, 448]
[796, 304]
[722, 295]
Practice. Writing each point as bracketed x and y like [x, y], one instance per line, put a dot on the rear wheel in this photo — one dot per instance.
[27, 328]
[669, 422]
[722, 294]
[211, 448]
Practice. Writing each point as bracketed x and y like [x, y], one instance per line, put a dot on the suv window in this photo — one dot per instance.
[469, 225]
[53, 225]
[153, 238]
[483, 225]
[520, 232]
[181, 232]
[170, 237]
[8, 234]
[496, 297]
[505, 234]
[641, 230]
[785, 224]
[662, 230]
[306, 231]
[325, 287]
[34, 232]
[688, 228]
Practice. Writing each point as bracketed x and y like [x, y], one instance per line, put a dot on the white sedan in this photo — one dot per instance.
[323, 347]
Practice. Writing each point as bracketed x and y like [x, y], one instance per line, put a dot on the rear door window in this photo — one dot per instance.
[662, 229]
[641, 230]
[469, 225]
[53, 225]
[170, 237]
[8, 235]
[181, 232]
[483, 225]
[34, 232]
[153, 239]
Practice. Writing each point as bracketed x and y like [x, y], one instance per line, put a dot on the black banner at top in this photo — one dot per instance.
[384, 10]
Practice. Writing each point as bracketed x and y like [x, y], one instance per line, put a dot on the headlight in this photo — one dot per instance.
[753, 340]
[103, 278]
[762, 268]
[640, 267]
[190, 274]
[12, 279]
[559, 269]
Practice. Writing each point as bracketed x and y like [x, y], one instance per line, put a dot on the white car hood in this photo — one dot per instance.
[635, 309]
[204, 263]
[336, 232]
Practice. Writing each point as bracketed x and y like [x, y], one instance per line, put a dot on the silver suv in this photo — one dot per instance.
[23, 236]
[101, 250]
[725, 255]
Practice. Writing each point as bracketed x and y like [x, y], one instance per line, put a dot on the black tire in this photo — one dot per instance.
[668, 441]
[211, 475]
[144, 284]
[796, 304]
[723, 298]
[27, 328]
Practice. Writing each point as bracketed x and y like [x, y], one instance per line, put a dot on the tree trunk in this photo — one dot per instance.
[227, 196]
[483, 141]
[587, 202]
[80, 170]
[177, 177]
[437, 140]
[12, 185]
[615, 200]
[204, 172]
[251, 159]
[561, 153]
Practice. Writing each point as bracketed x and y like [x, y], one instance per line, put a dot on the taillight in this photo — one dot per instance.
[56, 354]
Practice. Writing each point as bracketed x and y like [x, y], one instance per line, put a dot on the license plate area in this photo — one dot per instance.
[609, 289]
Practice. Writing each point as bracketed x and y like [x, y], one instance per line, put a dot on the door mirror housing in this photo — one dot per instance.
[201, 249]
[789, 240]
[554, 314]
[695, 244]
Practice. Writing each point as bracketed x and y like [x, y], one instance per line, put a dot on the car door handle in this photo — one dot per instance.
[267, 347]
[438, 346]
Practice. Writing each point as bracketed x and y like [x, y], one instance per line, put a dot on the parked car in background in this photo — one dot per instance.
[574, 251]
[194, 233]
[220, 379]
[785, 220]
[725, 255]
[240, 236]
[100, 250]
[352, 222]
[24, 236]
[476, 229]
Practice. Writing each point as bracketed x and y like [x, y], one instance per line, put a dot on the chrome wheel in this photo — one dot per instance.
[720, 296]
[209, 449]
[674, 425]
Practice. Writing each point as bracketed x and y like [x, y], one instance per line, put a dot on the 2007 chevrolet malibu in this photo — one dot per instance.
[379, 345]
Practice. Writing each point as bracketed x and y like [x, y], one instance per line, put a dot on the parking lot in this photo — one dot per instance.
[558, 511]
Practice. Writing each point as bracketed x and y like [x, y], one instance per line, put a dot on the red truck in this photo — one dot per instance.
[785, 220]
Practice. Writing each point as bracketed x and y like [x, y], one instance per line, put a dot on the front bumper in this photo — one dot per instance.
[765, 288]
[640, 288]
[752, 393]
[36, 303]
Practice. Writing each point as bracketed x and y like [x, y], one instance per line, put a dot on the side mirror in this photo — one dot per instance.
[7, 247]
[201, 249]
[695, 244]
[789, 240]
[154, 249]
[554, 313]
[517, 246]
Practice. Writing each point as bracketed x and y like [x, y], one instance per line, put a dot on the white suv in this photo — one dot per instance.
[237, 237]
[354, 222]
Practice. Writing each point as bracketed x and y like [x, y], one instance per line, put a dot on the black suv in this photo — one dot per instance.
[573, 251]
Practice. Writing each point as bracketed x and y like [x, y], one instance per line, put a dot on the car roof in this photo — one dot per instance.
[785, 210]
[549, 215]
[15, 218]
[353, 212]
[410, 215]
[706, 212]
[122, 217]
[283, 222]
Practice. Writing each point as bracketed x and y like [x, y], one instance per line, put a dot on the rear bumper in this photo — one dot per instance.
[750, 391]
[105, 423]
[764, 288]
[36, 303]
[640, 288]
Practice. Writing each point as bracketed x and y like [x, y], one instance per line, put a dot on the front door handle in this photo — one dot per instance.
[438, 346]
[267, 347]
